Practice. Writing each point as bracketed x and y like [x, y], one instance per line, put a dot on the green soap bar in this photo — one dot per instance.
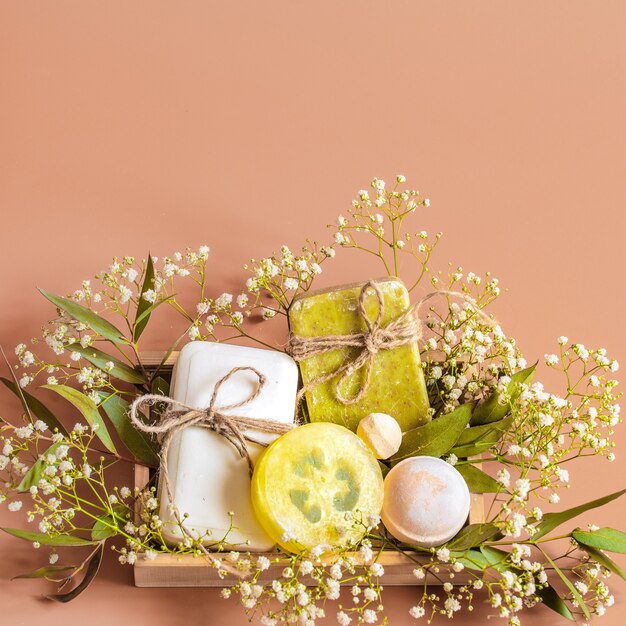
[397, 386]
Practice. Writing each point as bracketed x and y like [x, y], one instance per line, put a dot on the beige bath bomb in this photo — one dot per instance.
[426, 501]
[381, 434]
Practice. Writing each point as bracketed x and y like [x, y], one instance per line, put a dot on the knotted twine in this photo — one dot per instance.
[405, 329]
[180, 416]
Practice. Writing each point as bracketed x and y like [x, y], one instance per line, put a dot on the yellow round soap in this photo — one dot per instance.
[308, 480]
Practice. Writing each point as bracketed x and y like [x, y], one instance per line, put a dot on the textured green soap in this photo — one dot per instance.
[397, 386]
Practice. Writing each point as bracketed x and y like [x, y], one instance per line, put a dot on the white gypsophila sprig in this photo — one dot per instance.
[467, 357]
[67, 489]
[305, 582]
[114, 294]
[376, 225]
[549, 431]
[276, 280]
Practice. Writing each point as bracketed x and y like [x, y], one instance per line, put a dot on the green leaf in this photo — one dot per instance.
[472, 559]
[496, 558]
[82, 314]
[474, 535]
[90, 574]
[33, 475]
[154, 305]
[88, 409]
[107, 525]
[17, 390]
[139, 444]
[491, 410]
[551, 520]
[486, 433]
[144, 308]
[98, 358]
[167, 355]
[568, 584]
[604, 560]
[477, 480]
[56, 540]
[37, 408]
[46, 572]
[605, 538]
[553, 601]
[435, 438]
[160, 386]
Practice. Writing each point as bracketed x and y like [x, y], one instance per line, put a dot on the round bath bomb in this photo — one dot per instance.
[308, 480]
[426, 501]
[381, 434]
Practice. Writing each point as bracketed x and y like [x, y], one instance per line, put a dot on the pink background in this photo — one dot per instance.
[128, 127]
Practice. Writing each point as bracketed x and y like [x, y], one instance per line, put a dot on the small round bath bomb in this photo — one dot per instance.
[381, 434]
[426, 501]
[307, 482]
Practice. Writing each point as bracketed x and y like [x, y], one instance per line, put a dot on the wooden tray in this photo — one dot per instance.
[172, 570]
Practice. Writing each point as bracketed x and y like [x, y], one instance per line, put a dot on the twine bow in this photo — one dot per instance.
[405, 329]
[180, 416]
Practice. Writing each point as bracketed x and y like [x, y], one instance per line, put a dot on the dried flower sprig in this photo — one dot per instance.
[377, 227]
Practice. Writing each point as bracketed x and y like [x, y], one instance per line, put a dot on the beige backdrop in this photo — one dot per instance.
[135, 126]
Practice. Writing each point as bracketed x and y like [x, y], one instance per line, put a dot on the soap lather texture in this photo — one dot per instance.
[397, 386]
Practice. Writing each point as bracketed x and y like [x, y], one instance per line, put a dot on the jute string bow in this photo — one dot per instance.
[180, 416]
[405, 329]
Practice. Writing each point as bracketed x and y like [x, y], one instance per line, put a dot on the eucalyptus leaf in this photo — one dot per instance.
[554, 601]
[551, 520]
[477, 480]
[17, 390]
[46, 572]
[496, 558]
[605, 538]
[142, 316]
[471, 449]
[88, 409]
[56, 540]
[148, 312]
[100, 359]
[98, 324]
[471, 559]
[485, 433]
[90, 574]
[492, 409]
[474, 535]
[604, 560]
[34, 474]
[160, 386]
[434, 438]
[36, 407]
[138, 443]
[107, 525]
[568, 583]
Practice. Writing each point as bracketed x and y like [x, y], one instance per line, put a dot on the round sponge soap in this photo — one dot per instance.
[308, 482]
[426, 501]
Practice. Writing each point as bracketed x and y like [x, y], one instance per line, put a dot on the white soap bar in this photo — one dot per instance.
[208, 477]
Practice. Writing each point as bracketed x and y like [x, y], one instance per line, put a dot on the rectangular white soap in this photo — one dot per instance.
[208, 478]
